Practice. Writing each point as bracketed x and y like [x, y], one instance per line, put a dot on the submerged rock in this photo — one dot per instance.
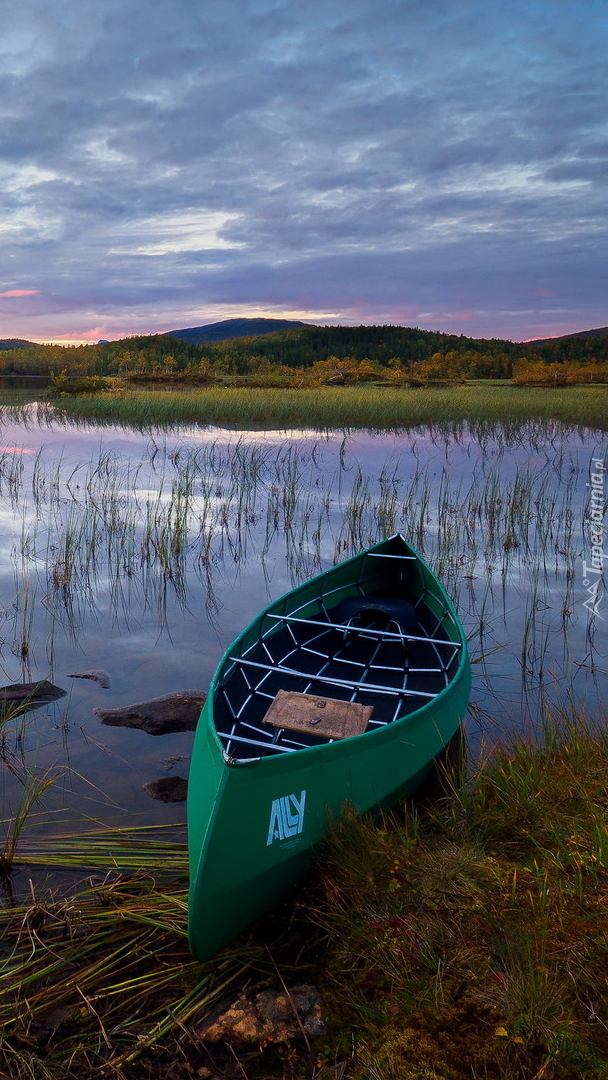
[168, 789]
[266, 1016]
[22, 697]
[171, 761]
[159, 716]
[100, 677]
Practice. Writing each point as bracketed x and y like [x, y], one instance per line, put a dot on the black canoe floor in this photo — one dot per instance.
[376, 657]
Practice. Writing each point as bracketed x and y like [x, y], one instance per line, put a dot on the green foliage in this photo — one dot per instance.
[145, 353]
[33, 790]
[379, 346]
[386, 352]
[579, 350]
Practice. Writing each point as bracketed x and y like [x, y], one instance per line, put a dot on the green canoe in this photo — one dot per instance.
[276, 754]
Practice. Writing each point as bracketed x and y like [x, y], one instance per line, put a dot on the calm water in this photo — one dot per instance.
[146, 555]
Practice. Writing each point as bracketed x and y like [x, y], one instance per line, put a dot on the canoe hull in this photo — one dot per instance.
[254, 824]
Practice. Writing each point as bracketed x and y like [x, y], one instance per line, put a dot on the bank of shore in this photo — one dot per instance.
[460, 939]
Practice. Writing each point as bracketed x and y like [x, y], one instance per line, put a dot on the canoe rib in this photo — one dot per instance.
[325, 680]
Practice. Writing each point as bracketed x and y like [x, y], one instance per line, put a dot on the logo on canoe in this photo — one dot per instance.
[286, 817]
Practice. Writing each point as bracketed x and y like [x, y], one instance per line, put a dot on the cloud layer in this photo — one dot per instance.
[433, 162]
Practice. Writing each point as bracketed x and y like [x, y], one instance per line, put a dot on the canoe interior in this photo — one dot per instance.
[397, 653]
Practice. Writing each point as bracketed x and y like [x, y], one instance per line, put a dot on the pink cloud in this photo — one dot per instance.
[86, 335]
[20, 292]
[15, 450]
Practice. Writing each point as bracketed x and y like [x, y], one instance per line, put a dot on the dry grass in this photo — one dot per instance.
[100, 981]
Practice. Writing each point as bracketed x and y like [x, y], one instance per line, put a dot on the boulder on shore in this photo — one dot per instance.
[265, 1016]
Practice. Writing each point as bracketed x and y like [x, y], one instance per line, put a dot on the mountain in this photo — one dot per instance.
[15, 343]
[232, 328]
[601, 331]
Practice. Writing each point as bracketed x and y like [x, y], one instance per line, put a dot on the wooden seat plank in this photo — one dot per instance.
[328, 717]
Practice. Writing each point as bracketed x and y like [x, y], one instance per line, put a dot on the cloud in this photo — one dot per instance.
[391, 154]
[20, 292]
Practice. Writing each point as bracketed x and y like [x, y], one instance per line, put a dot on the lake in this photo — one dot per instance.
[145, 554]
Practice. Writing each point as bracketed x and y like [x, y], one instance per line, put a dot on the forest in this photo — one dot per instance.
[322, 354]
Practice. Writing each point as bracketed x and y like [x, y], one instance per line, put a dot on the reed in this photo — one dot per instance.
[139, 535]
[102, 978]
[33, 788]
[339, 407]
[472, 935]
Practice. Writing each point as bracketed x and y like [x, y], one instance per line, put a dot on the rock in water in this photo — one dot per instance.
[160, 716]
[22, 697]
[168, 789]
[100, 677]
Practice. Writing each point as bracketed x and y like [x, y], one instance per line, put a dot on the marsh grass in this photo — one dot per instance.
[138, 536]
[33, 788]
[455, 939]
[338, 407]
[471, 941]
[97, 979]
[101, 976]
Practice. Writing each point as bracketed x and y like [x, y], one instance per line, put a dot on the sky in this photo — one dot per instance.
[431, 163]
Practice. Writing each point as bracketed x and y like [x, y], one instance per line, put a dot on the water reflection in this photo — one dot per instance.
[145, 555]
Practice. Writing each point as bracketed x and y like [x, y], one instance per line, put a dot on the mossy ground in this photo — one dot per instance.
[473, 942]
[463, 940]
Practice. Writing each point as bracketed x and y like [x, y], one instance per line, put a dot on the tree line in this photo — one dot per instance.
[330, 354]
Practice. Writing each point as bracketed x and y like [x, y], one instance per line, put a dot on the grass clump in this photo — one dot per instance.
[349, 406]
[473, 943]
[100, 981]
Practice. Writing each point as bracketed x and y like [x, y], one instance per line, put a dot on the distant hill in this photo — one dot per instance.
[232, 328]
[15, 343]
[601, 331]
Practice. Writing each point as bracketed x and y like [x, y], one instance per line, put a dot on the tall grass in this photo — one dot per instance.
[471, 942]
[337, 407]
